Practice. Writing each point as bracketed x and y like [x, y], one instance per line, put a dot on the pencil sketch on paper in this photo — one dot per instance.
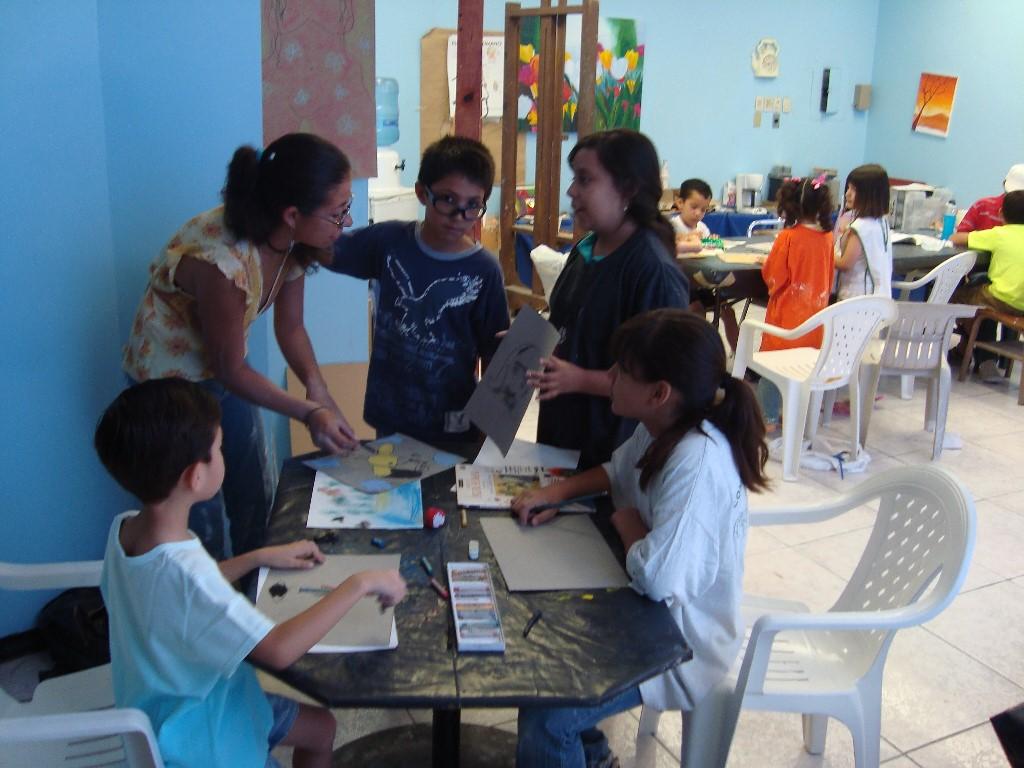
[385, 464]
[500, 400]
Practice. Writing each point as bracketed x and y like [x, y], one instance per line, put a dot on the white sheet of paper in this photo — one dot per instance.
[526, 454]
[364, 628]
[334, 504]
[567, 553]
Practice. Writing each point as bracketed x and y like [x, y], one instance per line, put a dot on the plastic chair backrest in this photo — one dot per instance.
[763, 224]
[947, 276]
[923, 537]
[848, 326]
[918, 338]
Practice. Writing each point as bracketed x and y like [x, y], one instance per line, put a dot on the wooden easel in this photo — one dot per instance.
[549, 129]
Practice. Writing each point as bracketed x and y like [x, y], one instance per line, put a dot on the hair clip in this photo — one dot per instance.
[819, 182]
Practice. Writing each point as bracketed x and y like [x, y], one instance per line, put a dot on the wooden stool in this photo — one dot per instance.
[1012, 350]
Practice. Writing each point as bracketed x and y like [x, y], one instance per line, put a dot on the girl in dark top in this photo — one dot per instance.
[622, 267]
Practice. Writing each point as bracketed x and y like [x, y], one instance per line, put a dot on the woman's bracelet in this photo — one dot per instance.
[309, 414]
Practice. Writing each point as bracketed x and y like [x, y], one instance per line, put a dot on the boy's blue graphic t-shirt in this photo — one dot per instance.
[436, 314]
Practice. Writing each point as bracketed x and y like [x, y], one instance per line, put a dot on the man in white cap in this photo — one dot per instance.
[988, 212]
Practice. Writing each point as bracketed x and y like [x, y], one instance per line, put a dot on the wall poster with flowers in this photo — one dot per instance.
[620, 74]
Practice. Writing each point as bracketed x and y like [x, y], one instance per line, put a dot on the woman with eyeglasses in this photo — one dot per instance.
[440, 298]
[210, 283]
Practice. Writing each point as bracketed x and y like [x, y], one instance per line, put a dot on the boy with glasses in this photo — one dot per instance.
[440, 298]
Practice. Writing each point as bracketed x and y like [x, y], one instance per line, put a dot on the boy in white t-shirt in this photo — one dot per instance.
[691, 203]
[179, 632]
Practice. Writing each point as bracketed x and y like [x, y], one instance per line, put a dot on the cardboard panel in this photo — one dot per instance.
[347, 385]
[434, 120]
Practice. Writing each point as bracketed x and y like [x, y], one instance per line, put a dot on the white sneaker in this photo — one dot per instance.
[988, 372]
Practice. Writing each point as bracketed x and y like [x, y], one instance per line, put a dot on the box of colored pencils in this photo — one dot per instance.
[477, 624]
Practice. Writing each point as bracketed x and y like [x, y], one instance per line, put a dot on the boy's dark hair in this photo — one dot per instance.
[1013, 207]
[297, 169]
[457, 154]
[632, 161]
[691, 186]
[685, 350]
[805, 199]
[871, 188]
[153, 432]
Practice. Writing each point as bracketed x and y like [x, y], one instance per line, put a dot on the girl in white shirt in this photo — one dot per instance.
[864, 260]
[679, 488]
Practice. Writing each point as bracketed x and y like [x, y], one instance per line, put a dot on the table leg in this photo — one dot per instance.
[446, 738]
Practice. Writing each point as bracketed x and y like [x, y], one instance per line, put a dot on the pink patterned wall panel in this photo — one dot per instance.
[318, 74]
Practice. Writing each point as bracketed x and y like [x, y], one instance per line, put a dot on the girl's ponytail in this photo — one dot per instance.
[737, 415]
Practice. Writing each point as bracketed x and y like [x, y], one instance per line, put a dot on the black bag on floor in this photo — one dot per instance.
[1009, 727]
[74, 629]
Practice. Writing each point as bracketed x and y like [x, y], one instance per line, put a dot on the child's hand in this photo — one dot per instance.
[688, 243]
[387, 585]
[302, 554]
[526, 502]
[556, 377]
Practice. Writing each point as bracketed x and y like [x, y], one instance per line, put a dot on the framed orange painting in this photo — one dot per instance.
[934, 106]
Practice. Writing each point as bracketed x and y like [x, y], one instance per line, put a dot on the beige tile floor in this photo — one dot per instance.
[942, 680]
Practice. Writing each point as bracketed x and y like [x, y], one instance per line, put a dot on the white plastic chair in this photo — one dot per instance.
[767, 224]
[71, 719]
[944, 279]
[916, 342]
[804, 373]
[830, 664]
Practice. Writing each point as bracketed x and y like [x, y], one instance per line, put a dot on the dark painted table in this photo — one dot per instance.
[583, 651]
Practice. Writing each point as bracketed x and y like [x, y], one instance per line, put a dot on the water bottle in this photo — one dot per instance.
[949, 220]
[387, 111]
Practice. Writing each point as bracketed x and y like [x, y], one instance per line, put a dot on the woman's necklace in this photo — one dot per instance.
[284, 254]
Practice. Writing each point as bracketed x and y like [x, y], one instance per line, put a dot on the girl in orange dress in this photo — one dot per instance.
[798, 274]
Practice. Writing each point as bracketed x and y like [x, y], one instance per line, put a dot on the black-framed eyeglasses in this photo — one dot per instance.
[445, 205]
[339, 220]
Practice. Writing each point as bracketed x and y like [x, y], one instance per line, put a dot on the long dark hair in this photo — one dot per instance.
[297, 169]
[805, 199]
[871, 190]
[632, 161]
[678, 347]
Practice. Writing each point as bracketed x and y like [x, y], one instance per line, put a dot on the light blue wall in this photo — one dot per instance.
[116, 129]
[699, 88]
[58, 318]
[980, 43]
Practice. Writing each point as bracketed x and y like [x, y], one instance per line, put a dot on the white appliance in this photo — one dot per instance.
[389, 200]
[748, 192]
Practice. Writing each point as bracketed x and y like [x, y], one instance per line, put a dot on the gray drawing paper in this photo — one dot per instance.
[567, 553]
[499, 401]
[365, 627]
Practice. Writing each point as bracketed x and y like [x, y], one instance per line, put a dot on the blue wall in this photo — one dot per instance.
[980, 43]
[58, 318]
[699, 88]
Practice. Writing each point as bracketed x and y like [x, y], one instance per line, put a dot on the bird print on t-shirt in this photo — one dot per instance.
[423, 311]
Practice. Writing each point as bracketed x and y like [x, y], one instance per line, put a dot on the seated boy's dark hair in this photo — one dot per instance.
[153, 432]
[699, 186]
[457, 154]
[1013, 207]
